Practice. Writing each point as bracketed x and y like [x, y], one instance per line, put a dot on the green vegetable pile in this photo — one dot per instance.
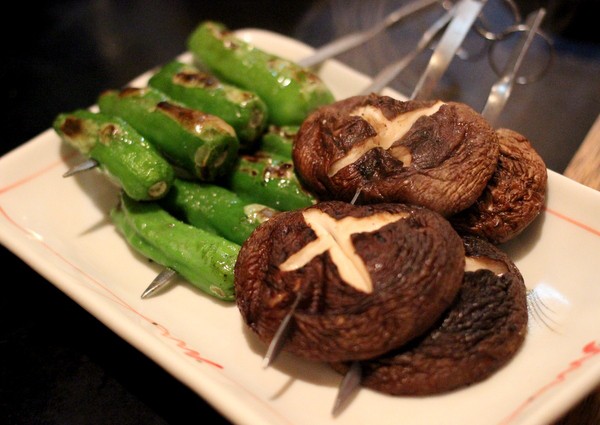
[202, 153]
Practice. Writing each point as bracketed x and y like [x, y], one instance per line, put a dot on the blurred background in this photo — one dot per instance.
[60, 365]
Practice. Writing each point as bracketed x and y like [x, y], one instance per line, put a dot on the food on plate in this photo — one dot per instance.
[215, 209]
[431, 153]
[348, 212]
[370, 278]
[279, 140]
[269, 179]
[126, 157]
[289, 91]
[186, 84]
[513, 197]
[202, 144]
[481, 332]
[202, 258]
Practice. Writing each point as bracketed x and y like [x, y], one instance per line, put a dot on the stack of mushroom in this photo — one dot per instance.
[397, 267]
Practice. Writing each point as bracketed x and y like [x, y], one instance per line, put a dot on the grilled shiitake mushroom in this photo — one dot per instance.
[480, 332]
[513, 197]
[429, 153]
[370, 278]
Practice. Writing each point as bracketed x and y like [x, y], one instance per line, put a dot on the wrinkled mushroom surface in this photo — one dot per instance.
[513, 197]
[480, 333]
[370, 277]
[429, 153]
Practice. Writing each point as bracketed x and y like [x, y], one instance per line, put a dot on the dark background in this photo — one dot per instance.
[59, 364]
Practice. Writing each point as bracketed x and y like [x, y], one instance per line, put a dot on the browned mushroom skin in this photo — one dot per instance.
[442, 162]
[479, 334]
[514, 196]
[416, 265]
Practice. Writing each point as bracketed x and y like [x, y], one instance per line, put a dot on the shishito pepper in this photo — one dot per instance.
[126, 157]
[279, 140]
[290, 91]
[203, 144]
[269, 179]
[202, 258]
[215, 209]
[242, 109]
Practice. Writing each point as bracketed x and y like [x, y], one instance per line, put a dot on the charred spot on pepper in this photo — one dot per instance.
[195, 79]
[132, 91]
[280, 171]
[107, 133]
[191, 119]
[72, 127]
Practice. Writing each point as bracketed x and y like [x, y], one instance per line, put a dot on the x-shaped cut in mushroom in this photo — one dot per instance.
[388, 132]
[335, 236]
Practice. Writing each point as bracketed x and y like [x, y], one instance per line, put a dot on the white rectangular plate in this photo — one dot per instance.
[60, 228]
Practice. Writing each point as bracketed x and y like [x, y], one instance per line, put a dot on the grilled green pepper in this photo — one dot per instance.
[242, 109]
[203, 144]
[215, 209]
[279, 140]
[290, 91]
[205, 260]
[125, 156]
[269, 179]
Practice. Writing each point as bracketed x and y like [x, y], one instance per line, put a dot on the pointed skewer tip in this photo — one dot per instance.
[348, 387]
[160, 282]
[281, 335]
[84, 166]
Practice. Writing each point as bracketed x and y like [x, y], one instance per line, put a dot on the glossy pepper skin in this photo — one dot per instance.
[215, 209]
[269, 179]
[202, 144]
[126, 157]
[202, 258]
[290, 91]
[279, 140]
[242, 109]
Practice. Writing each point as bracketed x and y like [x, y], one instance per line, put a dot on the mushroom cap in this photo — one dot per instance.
[513, 197]
[479, 334]
[434, 154]
[416, 264]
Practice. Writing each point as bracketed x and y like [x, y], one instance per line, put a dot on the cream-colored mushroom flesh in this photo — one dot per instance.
[473, 264]
[388, 132]
[335, 236]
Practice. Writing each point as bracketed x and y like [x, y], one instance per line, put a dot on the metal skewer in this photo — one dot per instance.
[465, 13]
[83, 166]
[160, 282]
[387, 74]
[357, 38]
[502, 89]
[349, 385]
[281, 334]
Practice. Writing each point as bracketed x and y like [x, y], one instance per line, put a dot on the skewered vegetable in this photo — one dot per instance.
[290, 91]
[270, 180]
[279, 140]
[202, 258]
[215, 209]
[436, 154]
[370, 278]
[203, 144]
[126, 156]
[242, 109]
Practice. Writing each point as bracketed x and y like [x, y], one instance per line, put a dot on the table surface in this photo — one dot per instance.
[60, 365]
